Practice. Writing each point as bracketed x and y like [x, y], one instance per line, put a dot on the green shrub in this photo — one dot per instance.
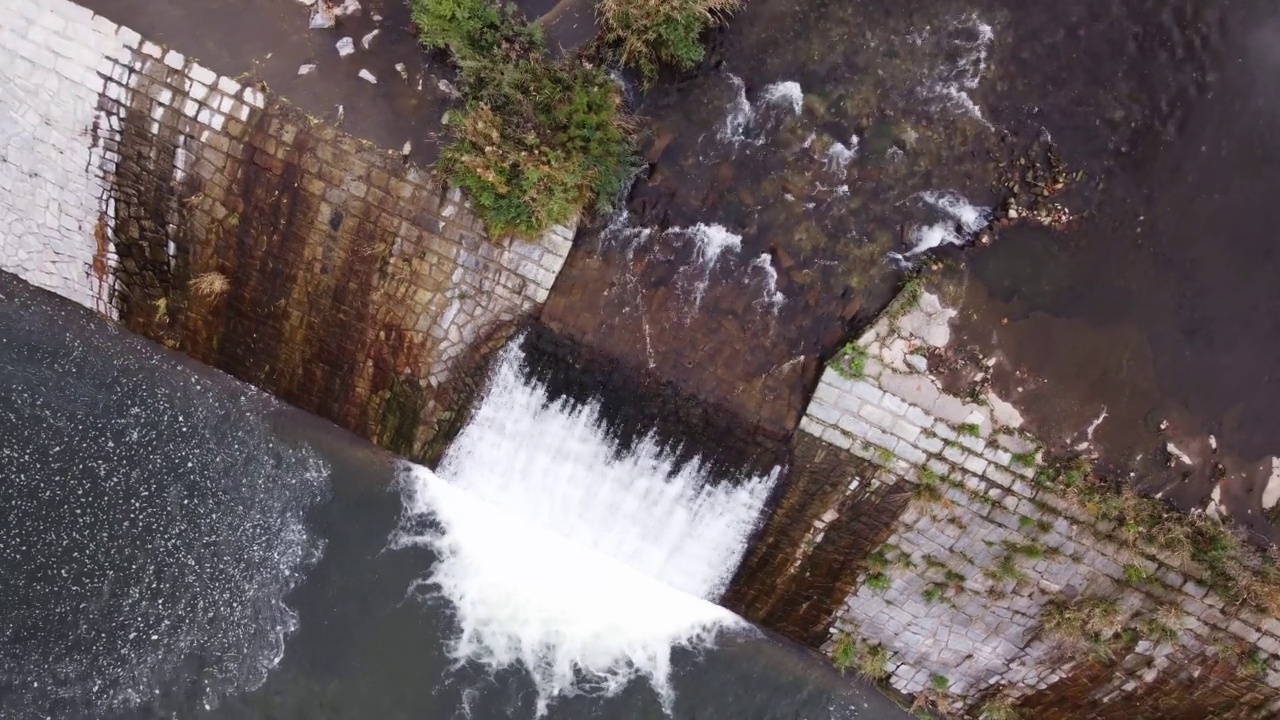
[652, 33]
[536, 140]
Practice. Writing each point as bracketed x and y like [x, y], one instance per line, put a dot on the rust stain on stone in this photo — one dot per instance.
[1191, 687]
[797, 590]
[101, 247]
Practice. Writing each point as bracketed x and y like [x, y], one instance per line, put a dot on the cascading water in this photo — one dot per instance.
[583, 563]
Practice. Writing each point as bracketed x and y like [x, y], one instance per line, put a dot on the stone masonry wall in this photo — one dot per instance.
[216, 218]
[958, 593]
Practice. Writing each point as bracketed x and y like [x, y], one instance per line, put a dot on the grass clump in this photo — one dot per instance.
[940, 683]
[1238, 572]
[1136, 574]
[928, 488]
[934, 593]
[879, 582]
[1000, 708]
[1005, 569]
[864, 658]
[872, 661]
[536, 141]
[210, 285]
[1089, 623]
[878, 561]
[971, 429]
[1033, 550]
[653, 33]
[1156, 630]
[1026, 459]
[1254, 664]
[851, 361]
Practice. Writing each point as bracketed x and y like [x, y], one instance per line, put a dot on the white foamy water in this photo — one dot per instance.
[773, 298]
[954, 83]
[745, 121]
[840, 155]
[710, 242]
[963, 220]
[581, 564]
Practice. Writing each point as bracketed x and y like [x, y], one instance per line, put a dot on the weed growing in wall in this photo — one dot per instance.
[879, 582]
[1237, 571]
[851, 361]
[651, 33]
[537, 140]
[999, 708]
[1089, 623]
[866, 659]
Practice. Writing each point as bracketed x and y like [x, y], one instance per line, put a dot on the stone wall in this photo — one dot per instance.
[216, 218]
[978, 557]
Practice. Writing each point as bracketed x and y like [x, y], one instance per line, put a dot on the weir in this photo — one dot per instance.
[583, 561]
[622, 446]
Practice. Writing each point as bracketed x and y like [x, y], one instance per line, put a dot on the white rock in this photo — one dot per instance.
[1271, 495]
[348, 7]
[345, 46]
[1178, 454]
[306, 69]
[321, 17]
[369, 38]
[368, 76]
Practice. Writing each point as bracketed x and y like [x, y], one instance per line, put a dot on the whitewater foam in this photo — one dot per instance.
[582, 563]
[710, 242]
[773, 298]
[963, 220]
[840, 155]
[744, 121]
[953, 84]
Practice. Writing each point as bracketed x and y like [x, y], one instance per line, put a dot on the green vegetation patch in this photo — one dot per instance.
[851, 361]
[863, 657]
[536, 141]
[653, 33]
[1233, 568]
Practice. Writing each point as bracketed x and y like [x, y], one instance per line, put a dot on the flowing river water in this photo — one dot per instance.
[824, 149]
[179, 545]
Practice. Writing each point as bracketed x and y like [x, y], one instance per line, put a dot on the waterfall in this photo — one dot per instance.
[581, 562]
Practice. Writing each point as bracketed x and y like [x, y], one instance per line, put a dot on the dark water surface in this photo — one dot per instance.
[178, 545]
[1161, 304]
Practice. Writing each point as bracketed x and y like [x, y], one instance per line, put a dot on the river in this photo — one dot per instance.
[178, 544]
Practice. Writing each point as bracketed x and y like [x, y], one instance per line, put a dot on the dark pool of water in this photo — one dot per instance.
[176, 545]
[1161, 304]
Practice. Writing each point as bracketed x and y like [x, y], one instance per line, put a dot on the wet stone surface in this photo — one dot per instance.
[953, 556]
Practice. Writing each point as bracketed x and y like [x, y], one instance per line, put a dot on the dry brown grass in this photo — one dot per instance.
[210, 285]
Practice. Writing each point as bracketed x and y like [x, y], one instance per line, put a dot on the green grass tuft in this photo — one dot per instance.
[934, 593]
[879, 582]
[1006, 569]
[851, 361]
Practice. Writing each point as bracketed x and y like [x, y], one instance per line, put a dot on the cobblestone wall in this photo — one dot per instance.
[957, 599]
[216, 218]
